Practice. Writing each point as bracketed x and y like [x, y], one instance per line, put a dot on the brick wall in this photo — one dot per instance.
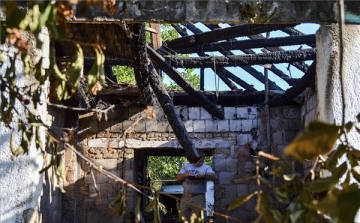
[231, 140]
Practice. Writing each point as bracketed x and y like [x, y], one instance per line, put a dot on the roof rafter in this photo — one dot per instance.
[247, 44]
[272, 68]
[224, 34]
[243, 60]
[253, 72]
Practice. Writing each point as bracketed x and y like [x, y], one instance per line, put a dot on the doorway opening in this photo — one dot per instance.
[161, 168]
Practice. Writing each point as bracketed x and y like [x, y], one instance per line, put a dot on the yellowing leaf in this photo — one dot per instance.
[318, 138]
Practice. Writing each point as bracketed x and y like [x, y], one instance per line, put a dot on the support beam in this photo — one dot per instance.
[230, 11]
[299, 65]
[243, 60]
[141, 73]
[203, 101]
[306, 81]
[247, 44]
[224, 34]
[174, 119]
[294, 32]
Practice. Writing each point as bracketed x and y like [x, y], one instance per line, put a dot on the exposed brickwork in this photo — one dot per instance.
[232, 139]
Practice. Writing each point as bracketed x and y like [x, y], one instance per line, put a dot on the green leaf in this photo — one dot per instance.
[323, 184]
[296, 211]
[262, 204]
[276, 215]
[61, 90]
[334, 156]
[33, 17]
[54, 67]
[289, 177]
[76, 67]
[352, 159]
[45, 16]
[318, 138]
[240, 200]
[326, 205]
[340, 170]
[278, 171]
[355, 153]
[282, 195]
[121, 201]
[151, 205]
[348, 205]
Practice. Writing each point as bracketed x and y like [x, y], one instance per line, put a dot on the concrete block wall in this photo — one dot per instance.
[309, 113]
[231, 140]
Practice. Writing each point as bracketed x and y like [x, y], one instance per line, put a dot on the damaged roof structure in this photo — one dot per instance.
[126, 45]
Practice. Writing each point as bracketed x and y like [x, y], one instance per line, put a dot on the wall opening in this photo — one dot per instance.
[161, 168]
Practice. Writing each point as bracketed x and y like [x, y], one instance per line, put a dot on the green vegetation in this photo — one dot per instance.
[166, 168]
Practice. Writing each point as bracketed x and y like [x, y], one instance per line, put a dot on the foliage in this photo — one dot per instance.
[124, 74]
[22, 37]
[329, 192]
[188, 75]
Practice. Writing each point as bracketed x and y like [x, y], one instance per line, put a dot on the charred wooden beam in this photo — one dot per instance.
[244, 60]
[138, 45]
[273, 68]
[160, 62]
[221, 74]
[147, 76]
[253, 72]
[306, 81]
[294, 32]
[247, 44]
[299, 65]
[174, 119]
[223, 34]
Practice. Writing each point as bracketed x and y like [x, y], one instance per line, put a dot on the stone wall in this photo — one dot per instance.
[231, 141]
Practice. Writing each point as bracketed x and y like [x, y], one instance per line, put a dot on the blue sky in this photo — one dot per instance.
[212, 81]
